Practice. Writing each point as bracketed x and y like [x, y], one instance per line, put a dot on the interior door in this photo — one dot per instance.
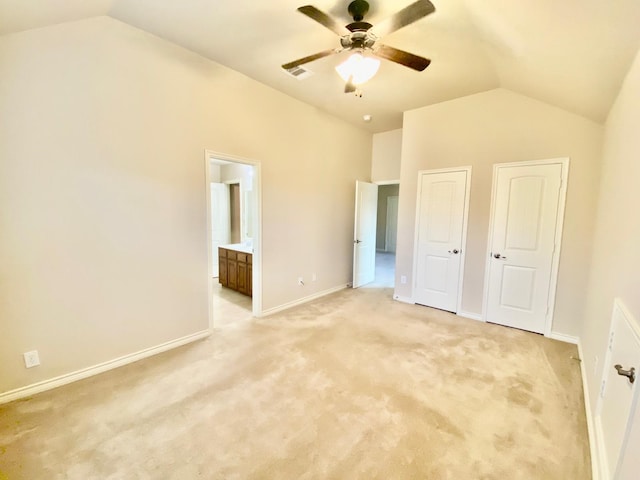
[219, 221]
[525, 213]
[614, 419]
[440, 227]
[364, 236]
[391, 233]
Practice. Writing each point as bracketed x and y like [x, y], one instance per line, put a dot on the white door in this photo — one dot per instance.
[220, 220]
[364, 236]
[525, 214]
[442, 203]
[391, 233]
[614, 419]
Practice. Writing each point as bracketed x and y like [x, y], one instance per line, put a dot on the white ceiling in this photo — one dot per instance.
[569, 53]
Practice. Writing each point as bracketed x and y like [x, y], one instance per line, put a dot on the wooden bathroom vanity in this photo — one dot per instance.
[235, 267]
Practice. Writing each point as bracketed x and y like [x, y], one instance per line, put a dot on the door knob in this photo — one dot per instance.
[497, 255]
[630, 374]
[357, 241]
[454, 251]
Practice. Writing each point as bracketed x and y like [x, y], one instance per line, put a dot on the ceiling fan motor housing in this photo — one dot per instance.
[358, 9]
[358, 40]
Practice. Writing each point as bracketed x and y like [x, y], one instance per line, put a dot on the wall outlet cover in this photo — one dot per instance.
[31, 359]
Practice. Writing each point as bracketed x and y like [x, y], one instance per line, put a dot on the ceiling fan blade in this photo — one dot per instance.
[400, 56]
[350, 86]
[404, 17]
[323, 19]
[310, 58]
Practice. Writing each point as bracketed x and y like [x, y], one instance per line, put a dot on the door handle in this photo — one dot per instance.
[630, 374]
[357, 241]
[455, 251]
[498, 256]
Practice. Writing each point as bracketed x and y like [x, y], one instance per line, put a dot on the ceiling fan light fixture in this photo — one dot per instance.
[358, 68]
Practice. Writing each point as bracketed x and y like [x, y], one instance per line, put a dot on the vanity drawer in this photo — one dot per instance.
[232, 254]
[242, 257]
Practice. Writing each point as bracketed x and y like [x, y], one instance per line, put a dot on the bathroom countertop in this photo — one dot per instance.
[238, 247]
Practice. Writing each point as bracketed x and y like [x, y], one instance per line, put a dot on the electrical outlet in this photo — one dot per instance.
[313, 277]
[403, 279]
[31, 359]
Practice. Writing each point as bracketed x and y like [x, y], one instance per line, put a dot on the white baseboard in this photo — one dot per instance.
[39, 387]
[471, 316]
[303, 300]
[565, 338]
[591, 430]
[404, 299]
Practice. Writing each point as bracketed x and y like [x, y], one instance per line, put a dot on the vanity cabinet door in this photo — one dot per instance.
[222, 267]
[232, 273]
[242, 278]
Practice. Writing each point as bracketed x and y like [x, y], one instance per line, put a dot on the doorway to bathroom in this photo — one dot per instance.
[233, 208]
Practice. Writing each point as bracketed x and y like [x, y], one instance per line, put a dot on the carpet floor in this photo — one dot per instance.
[350, 386]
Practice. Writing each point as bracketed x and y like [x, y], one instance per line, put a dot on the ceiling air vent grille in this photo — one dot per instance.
[299, 73]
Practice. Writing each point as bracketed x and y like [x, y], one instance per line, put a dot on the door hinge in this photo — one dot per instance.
[604, 383]
[611, 337]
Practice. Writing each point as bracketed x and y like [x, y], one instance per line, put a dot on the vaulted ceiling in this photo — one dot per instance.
[569, 53]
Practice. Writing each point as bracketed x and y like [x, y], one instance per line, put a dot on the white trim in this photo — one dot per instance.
[56, 382]
[469, 315]
[463, 247]
[561, 337]
[303, 300]
[555, 262]
[591, 431]
[256, 228]
[463, 241]
[404, 299]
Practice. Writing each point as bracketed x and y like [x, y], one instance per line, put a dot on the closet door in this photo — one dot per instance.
[441, 224]
[524, 240]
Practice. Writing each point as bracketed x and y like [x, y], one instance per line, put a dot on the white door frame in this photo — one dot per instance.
[555, 262]
[256, 229]
[463, 245]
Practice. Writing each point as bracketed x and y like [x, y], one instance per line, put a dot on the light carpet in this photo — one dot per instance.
[350, 386]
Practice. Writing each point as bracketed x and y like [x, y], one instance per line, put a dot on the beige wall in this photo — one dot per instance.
[493, 127]
[102, 187]
[384, 192]
[615, 270]
[385, 161]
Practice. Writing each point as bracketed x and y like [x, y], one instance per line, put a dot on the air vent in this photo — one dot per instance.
[299, 73]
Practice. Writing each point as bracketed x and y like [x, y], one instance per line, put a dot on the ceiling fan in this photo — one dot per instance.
[361, 37]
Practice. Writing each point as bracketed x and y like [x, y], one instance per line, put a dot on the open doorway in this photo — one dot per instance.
[233, 207]
[386, 234]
